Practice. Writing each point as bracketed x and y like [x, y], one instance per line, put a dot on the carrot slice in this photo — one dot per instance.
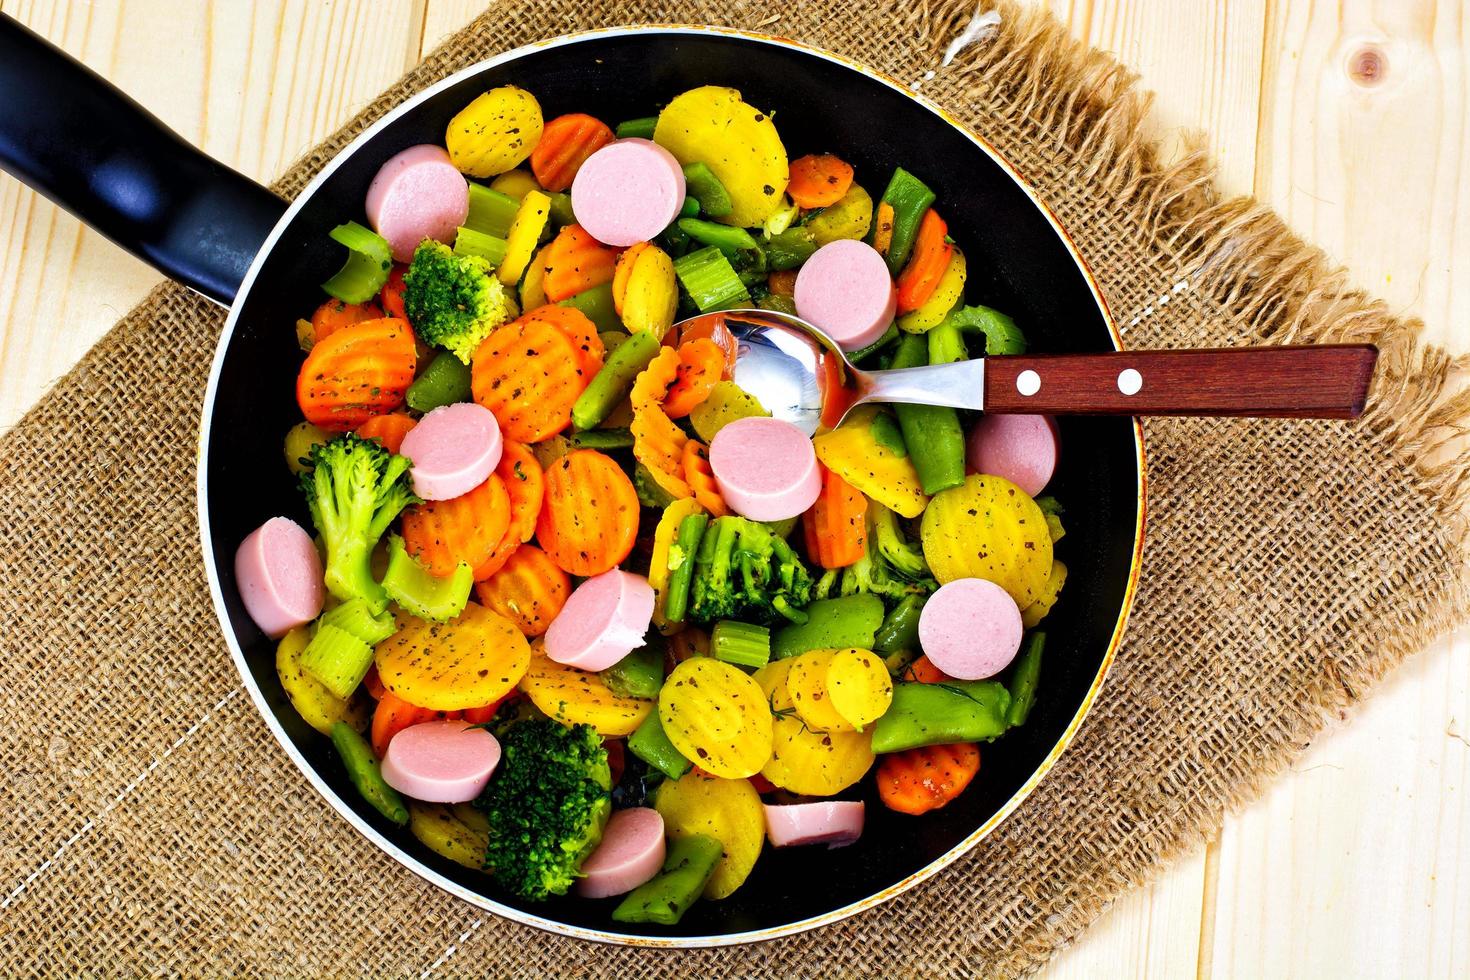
[580, 330]
[714, 329]
[443, 533]
[566, 143]
[923, 779]
[923, 671]
[701, 479]
[623, 271]
[575, 262]
[334, 314]
[931, 255]
[373, 684]
[525, 485]
[590, 516]
[528, 373]
[701, 365]
[659, 445]
[819, 179]
[529, 590]
[652, 385]
[391, 295]
[836, 526]
[883, 228]
[782, 283]
[388, 429]
[359, 371]
[393, 714]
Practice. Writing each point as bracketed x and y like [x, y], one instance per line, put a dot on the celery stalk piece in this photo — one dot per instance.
[369, 261]
[420, 593]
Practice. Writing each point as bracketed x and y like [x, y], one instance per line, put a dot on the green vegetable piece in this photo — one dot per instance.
[1001, 334]
[560, 209]
[338, 659]
[790, 248]
[445, 381]
[937, 714]
[782, 528]
[452, 300]
[845, 621]
[723, 237]
[900, 629]
[601, 439]
[689, 209]
[663, 899]
[612, 340]
[422, 594]
[491, 212]
[902, 555]
[1024, 676]
[597, 305]
[743, 570]
[887, 434]
[355, 617]
[638, 675]
[932, 431]
[354, 491]
[946, 344]
[363, 770]
[641, 128]
[777, 303]
[467, 241]
[909, 197]
[710, 280]
[741, 644]
[613, 382]
[706, 188]
[1052, 510]
[650, 743]
[369, 262]
[681, 565]
[650, 494]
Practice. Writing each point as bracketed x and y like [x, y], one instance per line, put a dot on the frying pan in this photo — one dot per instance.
[69, 134]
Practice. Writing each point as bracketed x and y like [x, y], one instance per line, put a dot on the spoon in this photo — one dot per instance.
[799, 374]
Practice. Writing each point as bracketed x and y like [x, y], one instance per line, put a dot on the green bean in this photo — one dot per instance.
[937, 714]
[707, 190]
[362, 768]
[932, 432]
[790, 248]
[846, 621]
[638, 675]
[665, 897]
[900, 629]
[1023, 680]
[445, 381]
[909, 197]
[723, 237]
[597, 305]
[650, 743]
[612, 384]
[687, 539]
[641, 128]
[601, 439]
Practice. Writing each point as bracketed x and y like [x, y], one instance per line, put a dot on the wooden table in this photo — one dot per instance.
[1350, 117]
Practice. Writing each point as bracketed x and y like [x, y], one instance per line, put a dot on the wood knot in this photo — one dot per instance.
[1367, 65]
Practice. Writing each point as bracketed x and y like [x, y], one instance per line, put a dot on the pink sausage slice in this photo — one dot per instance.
[627, 192]
[279, 574]
[631, 852]
[1021, 448]
[766, 468]
[454, 449]
[604, 620]
[835, 823]
[441, 761]
[417, 194]
[970, 629]
[845, 289]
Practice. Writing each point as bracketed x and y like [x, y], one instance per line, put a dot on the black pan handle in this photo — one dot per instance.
[72, 136]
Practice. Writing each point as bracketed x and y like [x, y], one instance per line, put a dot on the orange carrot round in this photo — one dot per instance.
[580, 330]
[357, 372]
[391, 295]
[529, 590]
[701, 478]
[575, 262]
[818, 180]
[701, 365]
[923, 671]
[525, 485]
[393, 715]
[590, 516]
[836, 526]
[713, 328]
[528, 374]
[388, 429]
[926, 265]
[334, 314]
[923, 779]
[443, 533]
[566, 143]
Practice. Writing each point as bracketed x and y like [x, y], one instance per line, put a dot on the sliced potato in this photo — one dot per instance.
[804, 761]
[1037, 611]
[495, 132]
[988, 528]
[658, 564]
[533, 294]
[515, 183]
[579, 697]
[459, 831]
[729, 810]
[650, 296]
[317, 706]
[858, 687]
[713, 126]
[850, 217]
[853, 452]
[807, 687]
[951, 290]
[717, 717]
[472, 660]
[300, 439]
[520, 242]
[726, 403]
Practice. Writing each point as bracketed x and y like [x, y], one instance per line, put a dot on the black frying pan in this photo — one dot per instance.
[69, 134]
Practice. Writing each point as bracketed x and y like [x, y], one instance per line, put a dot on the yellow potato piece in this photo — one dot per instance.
[1037, 611]
[804, 761]
[515, 183]
[458, 832]
[533, 292]
[301, 438]
[658, 565]
[988, 528]
[717, 717]
[729, 810]
[807, 687]
[579, 697]
[850, 217]
[317, 706]
[852, 452]
[951, 290]
[464, 663]
[738, 142]
[727, 402]
[495, 132]
[520, 241]
[652, 295]
[858, 687]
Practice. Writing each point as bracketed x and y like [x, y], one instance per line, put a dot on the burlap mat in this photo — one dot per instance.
[149, 824]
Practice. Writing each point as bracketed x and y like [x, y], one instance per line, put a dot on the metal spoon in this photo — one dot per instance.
[799, 374]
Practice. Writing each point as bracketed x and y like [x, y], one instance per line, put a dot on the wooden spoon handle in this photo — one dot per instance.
[1324, 382]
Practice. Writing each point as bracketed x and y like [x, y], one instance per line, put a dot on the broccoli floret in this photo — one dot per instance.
[452, 300]
[547, 806]
[354, 490]
[744, 570]
[900, 553]
[891, 567]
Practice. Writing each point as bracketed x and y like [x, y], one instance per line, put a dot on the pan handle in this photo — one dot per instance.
[68, 133]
